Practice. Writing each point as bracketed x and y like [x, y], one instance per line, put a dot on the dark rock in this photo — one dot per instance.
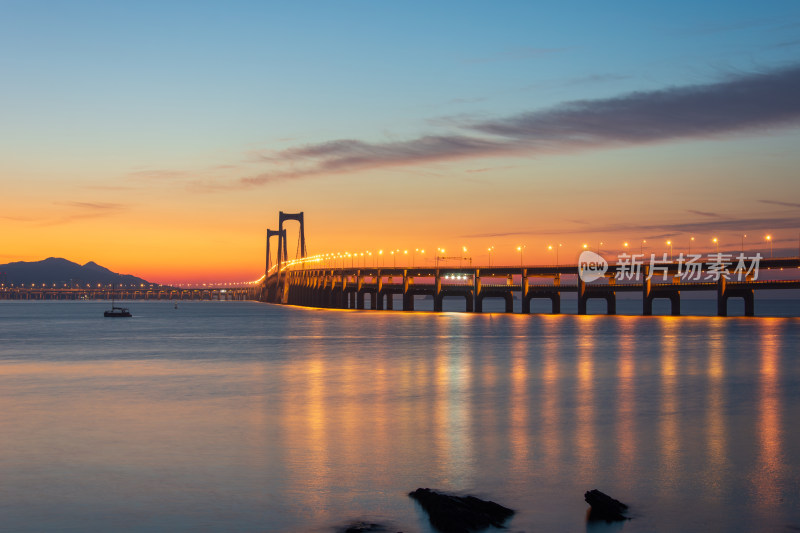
[604, 507]
[363, 527]
[460, 514]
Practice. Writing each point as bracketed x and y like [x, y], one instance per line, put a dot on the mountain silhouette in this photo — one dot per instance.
[58, 270]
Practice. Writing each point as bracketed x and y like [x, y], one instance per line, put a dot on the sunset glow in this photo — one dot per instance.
[162, 141]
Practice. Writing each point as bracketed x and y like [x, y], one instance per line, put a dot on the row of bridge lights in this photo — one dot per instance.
[81, 286]
[626, 245]
[127, 287]
[331, 259]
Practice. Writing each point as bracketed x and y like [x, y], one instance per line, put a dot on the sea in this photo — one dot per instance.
[252, 417]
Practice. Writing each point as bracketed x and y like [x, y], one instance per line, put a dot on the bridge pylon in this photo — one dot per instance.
[282, 217]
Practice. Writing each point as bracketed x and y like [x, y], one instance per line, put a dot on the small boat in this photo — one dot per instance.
[116, 312]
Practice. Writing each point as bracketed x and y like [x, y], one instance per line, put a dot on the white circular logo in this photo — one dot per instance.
[591, 266]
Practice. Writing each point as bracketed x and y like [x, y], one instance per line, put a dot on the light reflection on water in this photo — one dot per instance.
[248, 417]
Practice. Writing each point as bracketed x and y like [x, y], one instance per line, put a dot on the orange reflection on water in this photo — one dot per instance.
[550, 411]
[306, 431]
[585, 417]
[520, 350]
[767, 477]
[452, 417]
[716, 433]
[626, 398]
[669, 426]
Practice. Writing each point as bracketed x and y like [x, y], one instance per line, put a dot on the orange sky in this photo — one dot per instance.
[167, 154]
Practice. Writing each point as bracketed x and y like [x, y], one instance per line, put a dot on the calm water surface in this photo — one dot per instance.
[223, 416]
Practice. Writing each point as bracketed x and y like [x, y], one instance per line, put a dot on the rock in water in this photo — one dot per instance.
[460, 514]
[363, 527]
[604, 507]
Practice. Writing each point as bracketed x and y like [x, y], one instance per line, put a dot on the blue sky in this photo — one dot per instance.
[110, 107]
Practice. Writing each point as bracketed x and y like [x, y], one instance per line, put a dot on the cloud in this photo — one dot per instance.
[513, 54]
[743, 103]
[78, 210]
[702, 213]
[349, 155]
[158, 174]
[94, 206]
[775, 202]
[786, 44]
[654, 231]
[474, 100]
[596, 78]
[487, 169]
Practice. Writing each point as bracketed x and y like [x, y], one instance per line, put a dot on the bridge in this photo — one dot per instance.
[129, 293]
[307, 281]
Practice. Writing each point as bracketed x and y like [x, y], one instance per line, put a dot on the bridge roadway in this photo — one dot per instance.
[155, 293]
[309, 285]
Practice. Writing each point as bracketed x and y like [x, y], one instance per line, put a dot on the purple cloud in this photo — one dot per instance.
[751, 102]
[742, 103]
[784, 204]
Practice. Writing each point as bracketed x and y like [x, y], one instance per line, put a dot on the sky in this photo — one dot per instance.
[161, 139]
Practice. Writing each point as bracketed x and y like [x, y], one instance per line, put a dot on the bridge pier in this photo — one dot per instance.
[408, 298]
[379, 291]
[478, 291]
[359, 290]
[507, 296]
[555, 301]
[437, 294]
[673, 297]
[724, 293]
[609, 295]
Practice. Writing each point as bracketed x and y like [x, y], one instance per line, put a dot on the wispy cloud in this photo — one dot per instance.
[740, 103]
[75, 211]
[487, 169]
[596, 78]
[776, 202]
[654, 231]
[513, 54]
[702, 213]
[743, 103]
[93, 206]
[350, 155]
[786, 44]
[159, 174]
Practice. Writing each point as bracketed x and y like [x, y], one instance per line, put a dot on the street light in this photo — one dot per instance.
[519, 249]
[743, 238]
[669, 243]
[641, 246]
[716, 242]
[691, 240]
[490, 255]
[769, 240]
[413, 255]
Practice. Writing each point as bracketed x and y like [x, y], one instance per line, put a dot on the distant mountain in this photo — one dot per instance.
[57, 270]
